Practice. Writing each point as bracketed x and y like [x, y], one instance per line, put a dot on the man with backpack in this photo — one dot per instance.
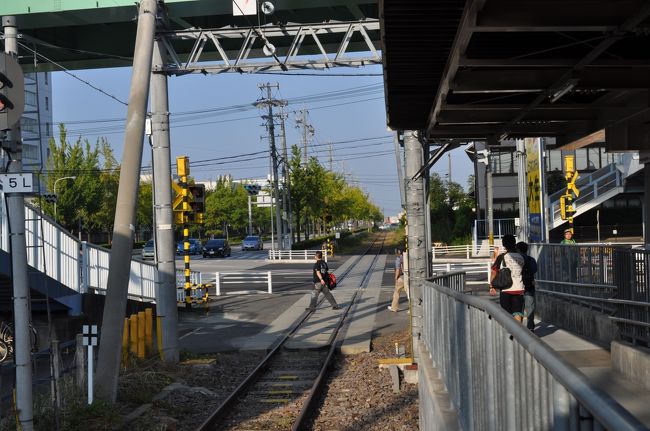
[528, 275]
[321, 279]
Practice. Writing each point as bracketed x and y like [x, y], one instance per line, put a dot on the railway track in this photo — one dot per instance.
[280, 393]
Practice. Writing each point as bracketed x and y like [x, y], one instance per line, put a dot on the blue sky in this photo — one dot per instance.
[357, 114]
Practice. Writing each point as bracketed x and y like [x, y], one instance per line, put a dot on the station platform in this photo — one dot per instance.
[595, 362]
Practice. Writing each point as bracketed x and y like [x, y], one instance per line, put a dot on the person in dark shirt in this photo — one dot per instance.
[528, 275]
[320, 278]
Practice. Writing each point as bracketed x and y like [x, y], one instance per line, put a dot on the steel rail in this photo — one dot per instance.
[308, 405]
[222, 410]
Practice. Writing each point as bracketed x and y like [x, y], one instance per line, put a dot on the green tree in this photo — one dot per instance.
[79, 199]
[227, 204]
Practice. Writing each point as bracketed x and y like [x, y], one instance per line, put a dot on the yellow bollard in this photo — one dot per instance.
[141, 323]
[148, 331]
[159, 336]
[133, 334]
[125, 343]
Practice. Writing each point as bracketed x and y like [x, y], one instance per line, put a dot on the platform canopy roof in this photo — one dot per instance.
[487, 69]
[101, 33]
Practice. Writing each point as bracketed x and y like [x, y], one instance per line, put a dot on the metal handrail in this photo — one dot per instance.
[467, 333]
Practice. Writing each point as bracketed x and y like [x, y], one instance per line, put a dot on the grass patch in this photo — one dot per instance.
[73, 415]
[139, 385]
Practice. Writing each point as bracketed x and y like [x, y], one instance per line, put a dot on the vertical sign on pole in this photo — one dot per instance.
[534, 180]
[90, 340]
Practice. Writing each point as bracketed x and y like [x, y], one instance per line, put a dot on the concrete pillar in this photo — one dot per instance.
[108, 363]
[522, 186]
[415, 216]
[645, 157]
[165, 243]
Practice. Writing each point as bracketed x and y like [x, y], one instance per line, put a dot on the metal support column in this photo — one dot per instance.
[490, 198]
[164, 218]
[415, 213]
[21, 294]
[120, 259]
[400, 172]
[250, 215]
[645, 157]
[522, 186]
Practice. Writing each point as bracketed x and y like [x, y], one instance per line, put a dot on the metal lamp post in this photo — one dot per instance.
[60, 179]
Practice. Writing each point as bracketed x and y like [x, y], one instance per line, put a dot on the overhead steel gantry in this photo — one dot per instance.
[201, 36]
[279, 47]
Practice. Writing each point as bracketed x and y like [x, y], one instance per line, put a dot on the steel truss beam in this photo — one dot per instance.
[273, 47]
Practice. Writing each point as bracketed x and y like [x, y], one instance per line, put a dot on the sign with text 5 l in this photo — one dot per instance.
[17, 183]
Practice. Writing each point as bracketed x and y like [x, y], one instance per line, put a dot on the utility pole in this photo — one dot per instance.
[490, 198]
[269, 102]
[449, 161]
[307, 129]
[286, 198]
[21, 295]
[108, 364]
[166, 309]
[331, 160]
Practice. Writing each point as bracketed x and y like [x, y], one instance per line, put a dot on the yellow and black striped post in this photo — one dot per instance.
[183, 170]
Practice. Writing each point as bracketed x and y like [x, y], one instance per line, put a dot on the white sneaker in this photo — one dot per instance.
[392, 309]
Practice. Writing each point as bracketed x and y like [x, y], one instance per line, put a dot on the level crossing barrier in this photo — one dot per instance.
[500, 376]
[303, 255]
[223, 279]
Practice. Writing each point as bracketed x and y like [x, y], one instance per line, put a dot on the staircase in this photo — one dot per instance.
[64, 268]
[597, 187]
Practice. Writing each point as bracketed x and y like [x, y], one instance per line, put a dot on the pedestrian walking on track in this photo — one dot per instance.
[320, 279]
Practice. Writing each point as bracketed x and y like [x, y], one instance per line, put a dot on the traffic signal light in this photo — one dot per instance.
[12, 92]
[252, 189]
[197, 193]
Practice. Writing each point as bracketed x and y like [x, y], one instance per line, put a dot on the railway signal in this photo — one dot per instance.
[12, 92]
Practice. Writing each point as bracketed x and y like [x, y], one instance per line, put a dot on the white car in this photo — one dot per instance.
[252, 243]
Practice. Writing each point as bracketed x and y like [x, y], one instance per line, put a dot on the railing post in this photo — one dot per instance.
[270, 282]
[489, 271]
[217, 283]
[448, 267]
[510, 398]
[467, 250]
[561, 407]
[433, 253]
[83, 285]
[305, 254]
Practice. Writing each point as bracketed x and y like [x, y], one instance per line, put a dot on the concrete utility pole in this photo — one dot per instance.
[415, 214]
[108, 364]
[522, 186]
[269, 102]
[163, 212]
[307, 130]
[21, 294]
[331, 159]
[286, 201]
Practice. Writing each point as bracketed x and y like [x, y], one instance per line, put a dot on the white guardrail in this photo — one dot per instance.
[75, 264]
[222, 279]
[483, 268]
[295, 254]
[458, 250]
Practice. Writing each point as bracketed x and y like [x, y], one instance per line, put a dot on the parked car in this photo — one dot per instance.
[148, 251]
[216, 247]
[195, 247]
[252, 243]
